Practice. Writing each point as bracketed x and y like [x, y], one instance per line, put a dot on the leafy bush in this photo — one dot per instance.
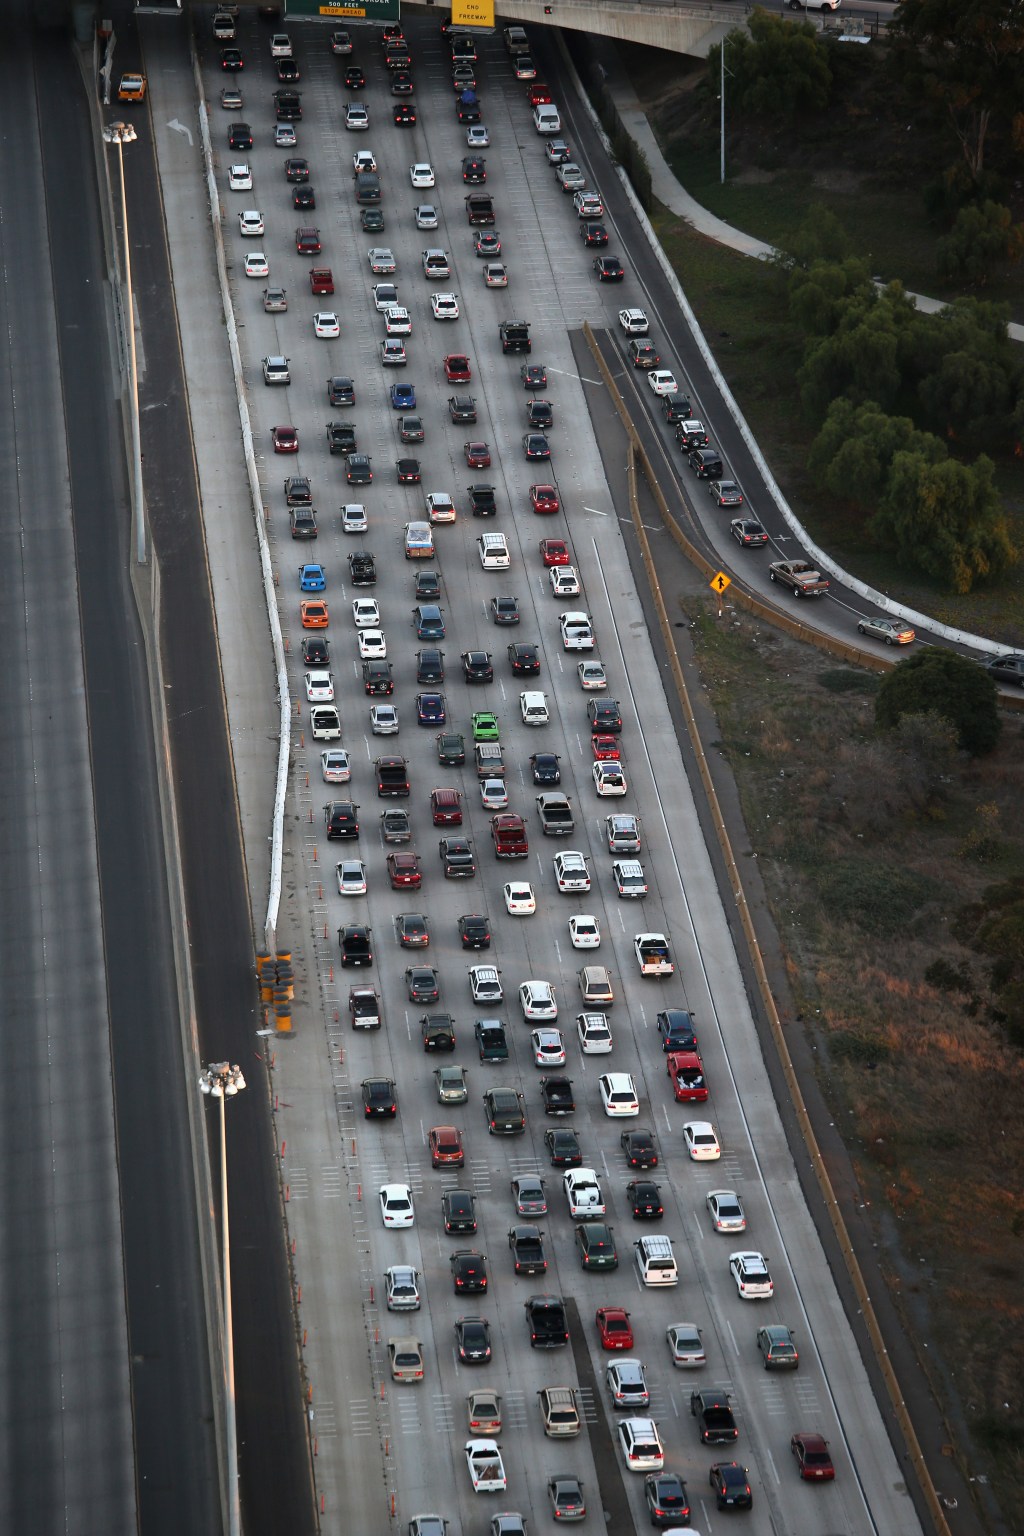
[947, 684]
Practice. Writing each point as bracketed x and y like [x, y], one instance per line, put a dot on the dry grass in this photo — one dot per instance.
[867, 858]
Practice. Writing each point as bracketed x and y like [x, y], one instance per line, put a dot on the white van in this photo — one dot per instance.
[533, 706]
[493, 548]
[656, 1261]
[546, 118]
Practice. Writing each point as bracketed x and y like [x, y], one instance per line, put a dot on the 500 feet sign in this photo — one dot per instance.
[358, 10]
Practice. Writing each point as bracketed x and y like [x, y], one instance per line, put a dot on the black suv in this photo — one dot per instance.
[458, 1210]
[430, 665]
[491, 1039]
[341, 390]
[438, 1032]
[457, 861]
[545, 1317]
[476, 667]
[362, 568]
[341, 818]
[377, 678]
[469, 1271]
[505, 1113]
[462, 408]
[379, 1097]
[524, 659]
[451, 749]
[354, 941]
[428, 585]
[706, 463]
[675, 1028]
[474, 931]
[316, 651]
[302, 522]
[341, 437]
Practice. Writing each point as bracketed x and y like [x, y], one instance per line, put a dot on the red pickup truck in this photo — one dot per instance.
[321, 280]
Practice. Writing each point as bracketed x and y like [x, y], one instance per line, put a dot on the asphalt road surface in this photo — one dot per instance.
[105, 1383]
[378, 1441]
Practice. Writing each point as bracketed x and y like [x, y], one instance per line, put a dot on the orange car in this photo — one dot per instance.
[132, 88]
[314, 615]
[445, 1142]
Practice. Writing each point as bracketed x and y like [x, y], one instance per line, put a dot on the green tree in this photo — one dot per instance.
[820, 293]
[861, 359]
[853, 453]
[975, 53]
[820, 237]
[777, 69]
[946, 519]
[983, 238]
[944, 683]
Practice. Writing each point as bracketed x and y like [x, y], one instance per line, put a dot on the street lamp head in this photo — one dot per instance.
[120, 133]
[221, 1080]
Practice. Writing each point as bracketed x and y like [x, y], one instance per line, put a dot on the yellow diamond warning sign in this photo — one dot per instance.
[719, 582]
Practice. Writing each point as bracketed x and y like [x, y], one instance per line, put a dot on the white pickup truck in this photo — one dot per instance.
[486, 1468]
[653, 955]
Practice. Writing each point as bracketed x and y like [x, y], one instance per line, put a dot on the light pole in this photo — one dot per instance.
[721, 99]
[222, 1081]
[122, 134]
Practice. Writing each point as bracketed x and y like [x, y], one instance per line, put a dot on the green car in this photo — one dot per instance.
[596, 1246]
[485, 725]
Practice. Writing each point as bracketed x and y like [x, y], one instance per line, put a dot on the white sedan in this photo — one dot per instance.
[571, 872]
[325, 324]
[618, 1094]
[256, 264]
[662, 382]
[240, 178]
[609, 779]
[425, 215]
[537, 1000]
[335, 766]
[477, 137]
[564, 581]
[495, 275]
[445, 306]
[584, 931]
[372, 645]
[396, 1207]
[250, 222]
[701, 1141]
[366, 613]
[548, 1048]
[593, 1033]
[381, 260]
[351, 875]
[353, 517]
[591, 674]
[421, 174]
[493, 794]
[519, 898]
[320, 686]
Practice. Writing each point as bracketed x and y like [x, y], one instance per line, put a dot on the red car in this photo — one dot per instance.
[286, 439]
[445, 1143]
[457, 369]
[404, 871]
[614, 1328]
[554, 551]
[538, 93]
[686, 1073]
[307, 241]
[606, 748]
[812, 1458]
[544, 498]
[478, 455]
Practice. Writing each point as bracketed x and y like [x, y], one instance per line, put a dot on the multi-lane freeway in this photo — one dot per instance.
[386, 1449]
